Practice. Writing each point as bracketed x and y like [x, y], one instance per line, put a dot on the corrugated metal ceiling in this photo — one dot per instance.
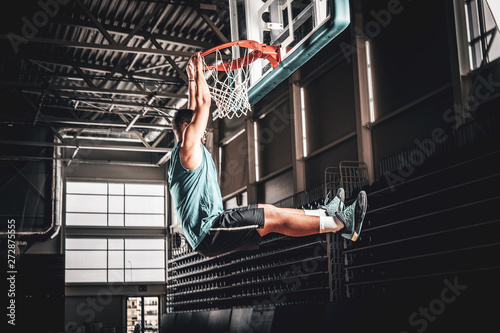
[98, 66]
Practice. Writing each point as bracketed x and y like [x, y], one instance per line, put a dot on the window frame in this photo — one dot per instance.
[127, 269]
[108, 213]
[472, 63]
[123, 232]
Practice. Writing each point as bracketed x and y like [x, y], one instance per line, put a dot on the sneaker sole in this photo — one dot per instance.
[361, 206]
[360, 212]
[341, 194]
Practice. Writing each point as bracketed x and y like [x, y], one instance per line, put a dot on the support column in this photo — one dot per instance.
[299, 170]
[252, 175]
[460, 66]
[362, 95]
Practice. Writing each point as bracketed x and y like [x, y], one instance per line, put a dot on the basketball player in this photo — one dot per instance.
[209, 229]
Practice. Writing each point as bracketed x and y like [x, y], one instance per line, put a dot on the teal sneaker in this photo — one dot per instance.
[336, 204]
[353, 217]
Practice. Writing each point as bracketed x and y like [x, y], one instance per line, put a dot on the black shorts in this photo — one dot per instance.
[233, 230]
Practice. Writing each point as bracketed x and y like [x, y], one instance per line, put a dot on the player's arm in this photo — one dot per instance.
[191, 153]
[191, 85]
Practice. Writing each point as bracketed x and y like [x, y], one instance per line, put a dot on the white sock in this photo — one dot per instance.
[327, 224]
[315, 212]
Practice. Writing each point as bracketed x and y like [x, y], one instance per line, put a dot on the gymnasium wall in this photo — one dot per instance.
[415, 74]
[118, 172]
[327, 81]
[412, 69]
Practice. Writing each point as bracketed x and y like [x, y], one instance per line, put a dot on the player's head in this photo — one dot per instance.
[181, 116]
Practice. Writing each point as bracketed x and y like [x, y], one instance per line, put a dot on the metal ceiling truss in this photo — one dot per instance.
[162, 38]
[36, 87]
[86, 146]
[91, 124]
[126, 84]
[115, 110]
[105, 47]
[137, 75]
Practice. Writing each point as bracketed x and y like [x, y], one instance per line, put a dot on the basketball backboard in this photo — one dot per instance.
[299, 27]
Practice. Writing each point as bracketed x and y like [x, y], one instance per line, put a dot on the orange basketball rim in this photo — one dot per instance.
[264, 51]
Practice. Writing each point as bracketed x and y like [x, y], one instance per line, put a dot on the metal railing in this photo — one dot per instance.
[303, 199]
[468, 133]
[350, 175]
[178, 245]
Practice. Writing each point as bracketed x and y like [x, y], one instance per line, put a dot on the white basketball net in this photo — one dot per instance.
[229, 90]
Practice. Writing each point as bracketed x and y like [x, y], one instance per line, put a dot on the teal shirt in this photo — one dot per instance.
[196, 195]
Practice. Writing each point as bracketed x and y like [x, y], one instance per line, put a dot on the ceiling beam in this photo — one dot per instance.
[37, 87]
[78, 161]
[86, 147]
[121, 64]
[192, 3]
[145, 19]
[104, 47]
[117, 102]
[52, 121]
[178, 41]
[81, 130]
[172, 63]
[78, 78]
[108, 69]
[212, 25]
[44, 79]
[131, 112]
[96, 23]
[79, 71]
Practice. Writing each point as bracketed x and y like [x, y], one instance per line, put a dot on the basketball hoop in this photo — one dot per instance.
[229, 68]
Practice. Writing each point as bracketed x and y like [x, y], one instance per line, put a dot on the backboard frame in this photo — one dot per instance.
[337, 20]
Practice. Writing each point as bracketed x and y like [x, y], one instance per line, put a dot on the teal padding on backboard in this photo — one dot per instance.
[321, 37]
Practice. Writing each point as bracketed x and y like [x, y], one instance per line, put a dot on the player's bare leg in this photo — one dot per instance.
[293, 223]
[297, 222]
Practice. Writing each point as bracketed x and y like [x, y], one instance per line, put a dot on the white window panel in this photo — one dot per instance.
[481, 22]
[146, 203]
[116, 220]
[108, 260]
[144, 244]
[86, 275]
[116, 204]
[115, 275]
[86, 259]
[116, 189]
[85, 244]
[144, 275]
[115, 244]
[474, 24]
[494, 6]
[86, 203]
[495, 48]
[135, 204]
[86, 219]
[115, 259]
[144, 259]
[144, 189]
[86, 188]
[489, 21]
[138, 220]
